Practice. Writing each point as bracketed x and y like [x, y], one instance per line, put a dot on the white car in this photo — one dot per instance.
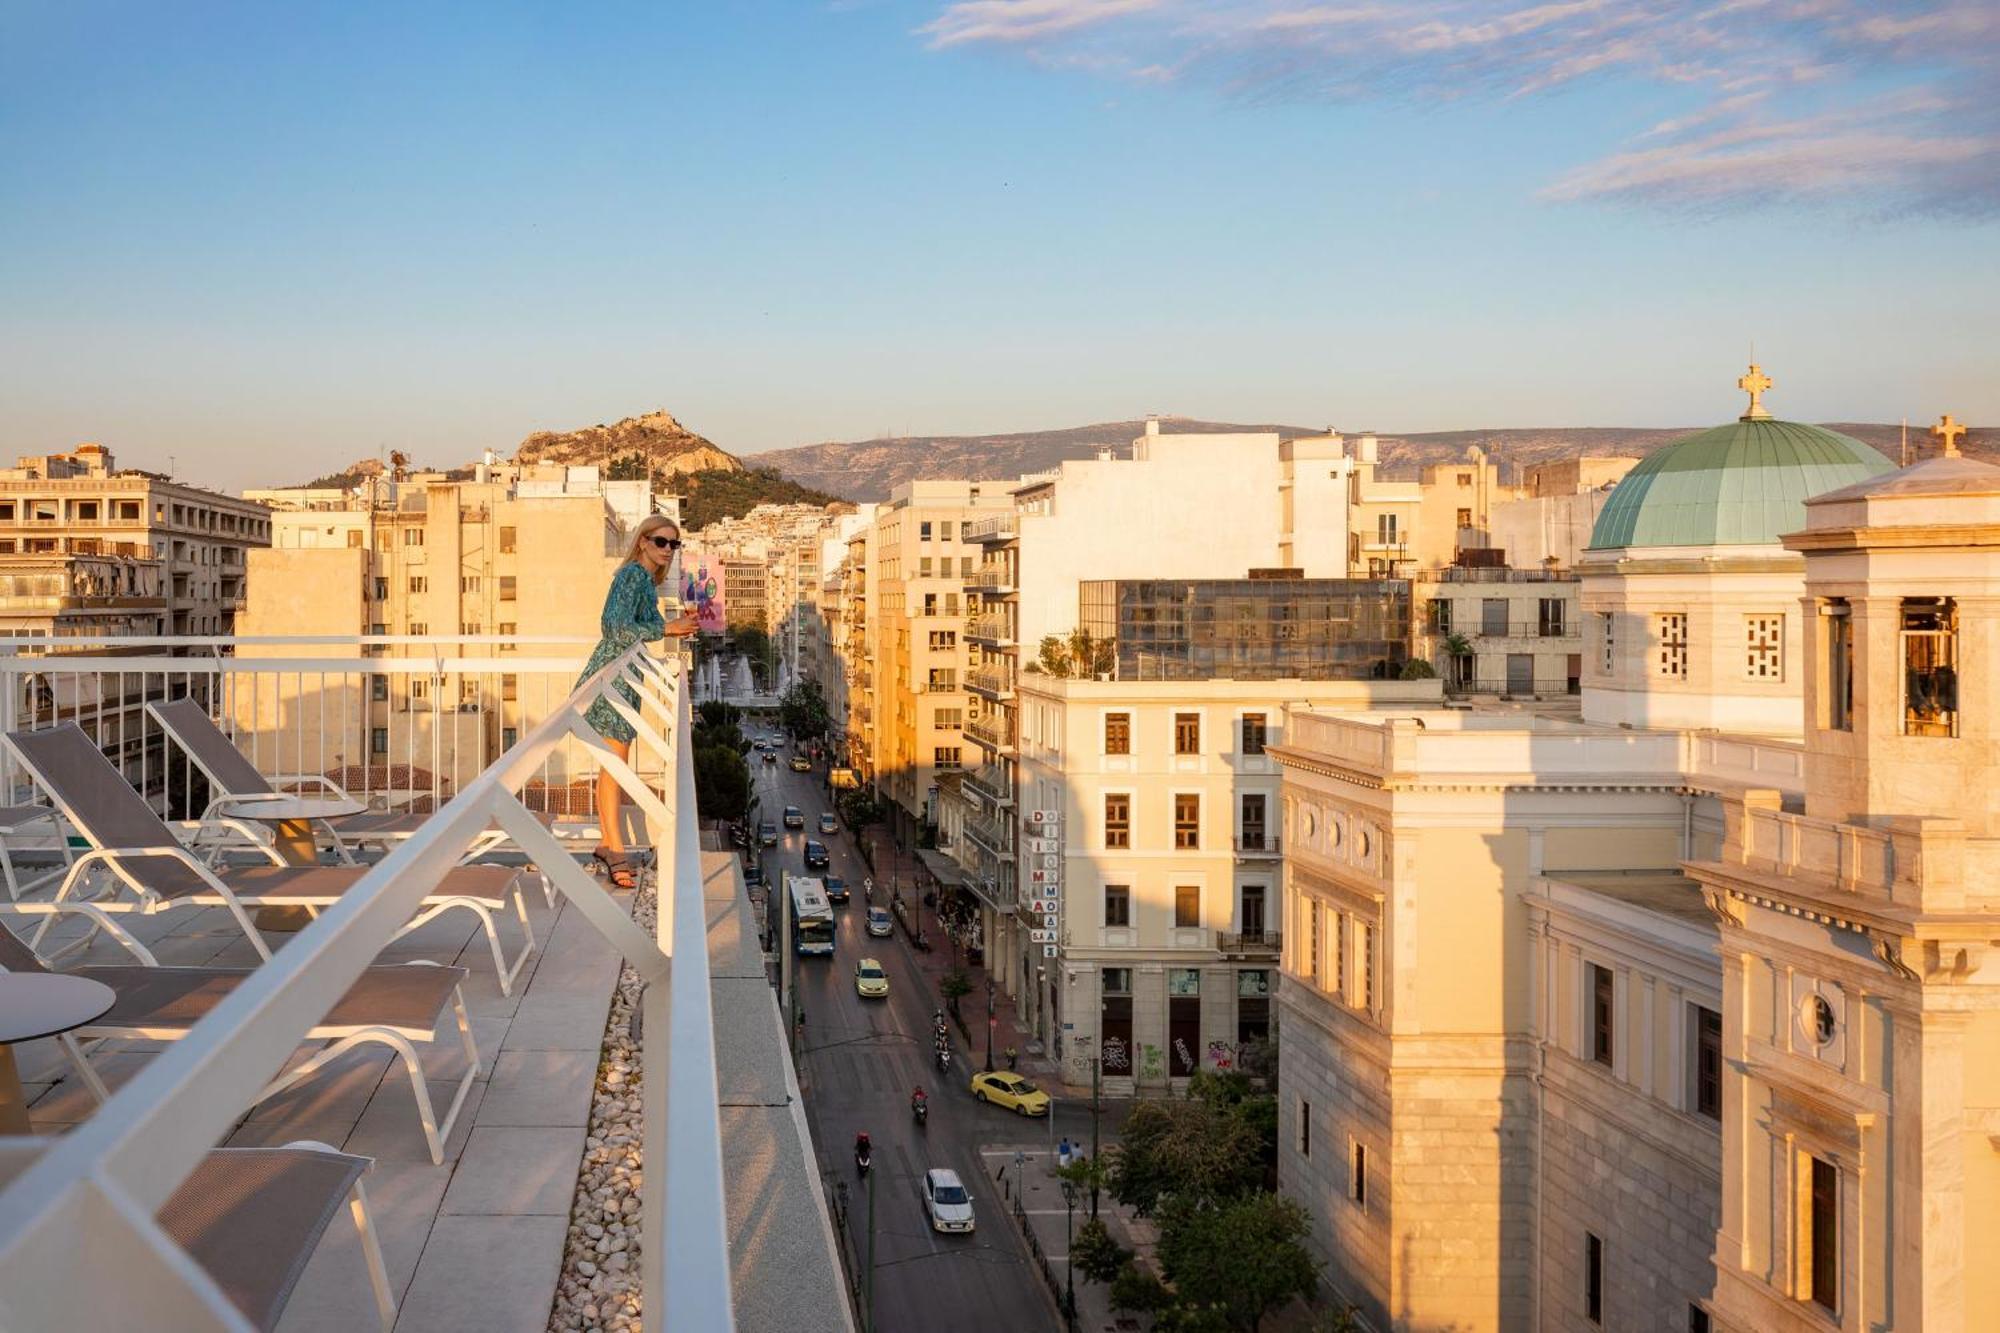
[945, 1200]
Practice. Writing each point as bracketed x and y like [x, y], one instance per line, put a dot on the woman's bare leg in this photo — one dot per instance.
[609, 795]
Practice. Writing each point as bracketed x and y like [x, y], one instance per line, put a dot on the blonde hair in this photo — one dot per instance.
[647, 527]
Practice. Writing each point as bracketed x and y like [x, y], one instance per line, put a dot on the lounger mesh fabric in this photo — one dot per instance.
[102, 803]
[401, 996]
[253, 1217]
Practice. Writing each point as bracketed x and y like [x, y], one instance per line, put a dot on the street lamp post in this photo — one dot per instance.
[1094, 1066]
[1069, 1251]
[989, 1022]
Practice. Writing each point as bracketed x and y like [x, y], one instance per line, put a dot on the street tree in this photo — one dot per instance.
[1242, 1259]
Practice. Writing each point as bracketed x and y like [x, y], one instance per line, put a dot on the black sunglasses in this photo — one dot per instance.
[666, 543]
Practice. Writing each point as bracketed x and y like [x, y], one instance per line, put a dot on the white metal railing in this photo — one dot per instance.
[78, 1244]
[395, 719]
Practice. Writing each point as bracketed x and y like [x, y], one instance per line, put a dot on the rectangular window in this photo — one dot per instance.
[1930, 666]
[1607, 636]
[1465, 518]
[1364, 954]
[1672, 629]
[506, 541]
[1114, 1023]
[418, 583]
[1305, 1128]
[1253, 810]
[510, 689]
[507, 587]
[1593, 1278]
[1117, 733]
[1357, 1173]
[1187, 733]
[1437, 613]
[1187, 821]
[1706, 1093]
[923, 532]
[945, 756]
[470, 627]
[1309, 960]
[381, 590]
[509, 735]
[943, 640]
[1697, 1319]
[924, 567]
[1837, 707]
[1254, 733]
[1385, 529]
[1602, 992]
[1117, 905]
[948, 719]
[413, 536]
[1336, 980]
[378, 688]
[420, 627]
[1551, 617]
[951, 603]
[1117, 821]
[378, 629]
[965, 566]
[468, 583]
[1823, 1234]
[1764, 647]
[1493, 617]
[1187, 906]
[378, 740]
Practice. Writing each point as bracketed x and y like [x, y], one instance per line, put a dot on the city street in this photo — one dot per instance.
[861, 1059]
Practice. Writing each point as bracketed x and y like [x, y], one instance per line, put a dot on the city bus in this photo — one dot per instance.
[812, 917]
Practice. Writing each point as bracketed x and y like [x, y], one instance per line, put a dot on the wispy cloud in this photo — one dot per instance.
[1871, 105]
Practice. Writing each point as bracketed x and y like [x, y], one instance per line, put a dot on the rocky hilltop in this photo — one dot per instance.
[667, 446]
[868, 469]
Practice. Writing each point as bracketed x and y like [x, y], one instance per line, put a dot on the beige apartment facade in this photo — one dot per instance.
[97, 542]
[1152, 856]
[1521, 630]
[430, 560]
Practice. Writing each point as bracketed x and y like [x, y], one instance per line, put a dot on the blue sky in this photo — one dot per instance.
[264, 240]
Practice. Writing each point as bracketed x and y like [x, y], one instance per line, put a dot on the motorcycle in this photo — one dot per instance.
[944, 1059]
[920, 1111]
[864, 1155]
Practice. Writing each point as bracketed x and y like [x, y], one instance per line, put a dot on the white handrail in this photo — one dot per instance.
[83, 1212]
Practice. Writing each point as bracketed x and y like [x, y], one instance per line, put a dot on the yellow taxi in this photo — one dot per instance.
[1011, 1091]
[870, 981]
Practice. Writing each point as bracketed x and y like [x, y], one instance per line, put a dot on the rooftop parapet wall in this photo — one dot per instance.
[1913, 863]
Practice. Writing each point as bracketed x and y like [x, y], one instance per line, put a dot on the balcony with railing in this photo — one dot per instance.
[1249, 943]
[994, 731]
[1000, 528]
[1256, 844]
[990, 682]
[988, 785]
[992, 631]
[111, 1210]
[990, 835]
[992, 579]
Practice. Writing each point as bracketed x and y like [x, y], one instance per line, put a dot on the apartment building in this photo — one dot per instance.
[916, 692]
[432, 558]
[1491, 630]
[1547, 524]
[94, 549]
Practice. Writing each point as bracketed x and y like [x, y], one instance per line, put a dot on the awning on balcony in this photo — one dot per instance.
[944, 870]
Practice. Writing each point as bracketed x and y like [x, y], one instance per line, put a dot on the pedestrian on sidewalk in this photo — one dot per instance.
[1063, 1153]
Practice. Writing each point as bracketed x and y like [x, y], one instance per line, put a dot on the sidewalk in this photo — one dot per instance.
[1049, 1223]
[899, 871]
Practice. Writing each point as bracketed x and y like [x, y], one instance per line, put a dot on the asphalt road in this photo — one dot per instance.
[861, 1059]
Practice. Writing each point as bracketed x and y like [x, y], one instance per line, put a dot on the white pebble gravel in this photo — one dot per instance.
[598, 1289]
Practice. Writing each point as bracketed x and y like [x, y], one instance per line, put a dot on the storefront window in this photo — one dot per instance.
[1183, 1020]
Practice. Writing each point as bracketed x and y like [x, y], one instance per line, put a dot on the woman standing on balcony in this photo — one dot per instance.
[631, 615]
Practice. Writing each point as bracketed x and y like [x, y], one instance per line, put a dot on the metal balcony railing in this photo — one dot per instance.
[989, 629]
[993, 732]
[1252, 843]
[88, 1198]
[990, 785]
[991, 578]
[991, 682]
[1248, 941]
[999, 528]
[991, 837]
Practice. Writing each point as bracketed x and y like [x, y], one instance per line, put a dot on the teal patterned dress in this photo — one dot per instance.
[631, 615]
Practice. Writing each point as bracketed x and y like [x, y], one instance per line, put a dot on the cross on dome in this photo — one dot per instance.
[1947, 433]
[1754, 384]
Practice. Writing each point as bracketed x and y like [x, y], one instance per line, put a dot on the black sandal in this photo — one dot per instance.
[614, 869]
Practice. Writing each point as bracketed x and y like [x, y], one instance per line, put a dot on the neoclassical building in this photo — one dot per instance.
[1690, 600]
[1681, 1016]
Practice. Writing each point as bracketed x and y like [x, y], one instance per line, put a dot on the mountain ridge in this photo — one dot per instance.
[870, 469]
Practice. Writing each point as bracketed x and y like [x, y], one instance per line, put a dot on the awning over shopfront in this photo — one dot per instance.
[944, 870]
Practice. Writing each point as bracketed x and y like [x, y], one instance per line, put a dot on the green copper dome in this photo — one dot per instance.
[1739, 484]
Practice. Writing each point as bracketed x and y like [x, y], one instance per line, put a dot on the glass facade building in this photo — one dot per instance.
[1248, 629]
